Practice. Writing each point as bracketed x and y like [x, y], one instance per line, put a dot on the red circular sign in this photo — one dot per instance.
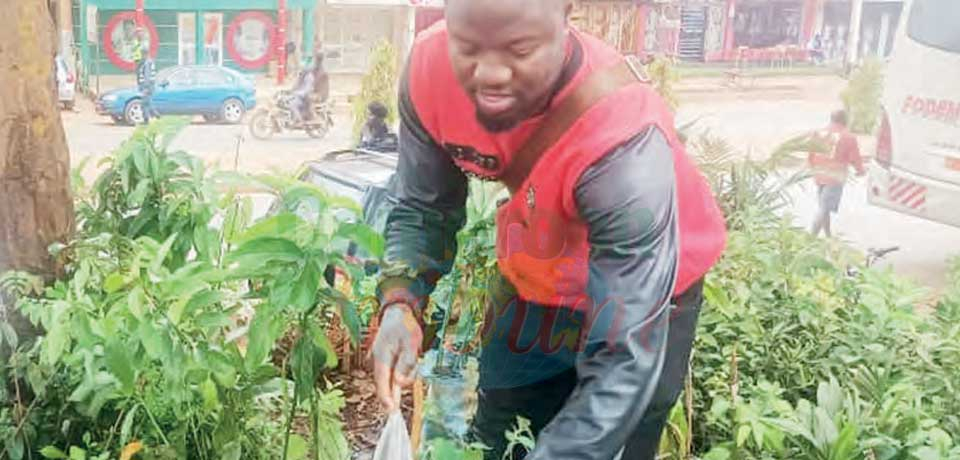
[119, 39]
[258, 42]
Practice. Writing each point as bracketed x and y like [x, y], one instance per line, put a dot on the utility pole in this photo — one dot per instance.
[281, 41]
[853, 40]
[140, 14]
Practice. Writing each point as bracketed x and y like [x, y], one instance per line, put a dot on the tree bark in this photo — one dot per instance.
[36, 207]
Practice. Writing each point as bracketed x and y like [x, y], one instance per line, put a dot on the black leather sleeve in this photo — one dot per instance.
[430, 193]
[628, 201]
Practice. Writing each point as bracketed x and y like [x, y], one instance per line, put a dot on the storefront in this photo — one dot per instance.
[877, 27]
[240, 34]
[350, 29]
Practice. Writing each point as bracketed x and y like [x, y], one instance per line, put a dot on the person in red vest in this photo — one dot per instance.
[602, 246]
[830, 170]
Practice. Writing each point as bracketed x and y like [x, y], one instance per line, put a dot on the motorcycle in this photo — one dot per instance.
[277, 118]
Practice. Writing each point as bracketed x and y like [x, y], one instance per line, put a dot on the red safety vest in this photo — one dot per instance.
[542, 246]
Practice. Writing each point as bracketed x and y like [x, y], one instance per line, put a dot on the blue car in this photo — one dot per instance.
[217, 93]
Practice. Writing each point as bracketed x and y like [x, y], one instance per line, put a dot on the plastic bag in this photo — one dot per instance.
[394, 443]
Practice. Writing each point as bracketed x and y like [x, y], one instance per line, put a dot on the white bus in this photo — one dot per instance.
[917, 164]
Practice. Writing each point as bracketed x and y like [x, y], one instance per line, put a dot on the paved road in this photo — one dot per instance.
[926, 247]
[756, 120]
[89, 135]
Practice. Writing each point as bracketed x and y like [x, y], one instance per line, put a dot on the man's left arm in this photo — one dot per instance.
[856, 156]
[628, 202]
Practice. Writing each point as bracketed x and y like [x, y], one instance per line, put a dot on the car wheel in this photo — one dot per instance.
[133, 112]
[232, 111]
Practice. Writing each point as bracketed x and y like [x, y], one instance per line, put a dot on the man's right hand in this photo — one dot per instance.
[395, 352]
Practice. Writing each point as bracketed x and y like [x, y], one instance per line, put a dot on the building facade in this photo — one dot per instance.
[733, 30]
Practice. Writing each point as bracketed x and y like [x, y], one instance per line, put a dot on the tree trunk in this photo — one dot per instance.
[36, 209]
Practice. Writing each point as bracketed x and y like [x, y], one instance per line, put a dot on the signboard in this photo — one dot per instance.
[92, 29]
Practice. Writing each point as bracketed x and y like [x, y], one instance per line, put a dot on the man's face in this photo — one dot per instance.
[507, 55]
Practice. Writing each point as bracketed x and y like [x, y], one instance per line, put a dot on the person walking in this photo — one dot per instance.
[831, 169]
[146, 76]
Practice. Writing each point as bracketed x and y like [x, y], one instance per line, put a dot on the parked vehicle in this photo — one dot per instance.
[217, 93]
[66, 83]
[279, 118]
[917, 166]
[361, 175]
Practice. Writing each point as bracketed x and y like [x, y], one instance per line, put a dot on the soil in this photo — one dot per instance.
[363, 416]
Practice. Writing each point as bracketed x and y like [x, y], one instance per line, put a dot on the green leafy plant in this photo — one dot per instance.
[146, 344]
[665, 76]
[861, 98]
[378, 85]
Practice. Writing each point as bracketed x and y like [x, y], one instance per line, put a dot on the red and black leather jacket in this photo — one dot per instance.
[615, 221]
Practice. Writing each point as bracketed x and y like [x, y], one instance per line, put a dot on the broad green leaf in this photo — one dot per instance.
[203, 299]
[743, 433]
[349, 317]
[261, 336]
[57, 340]
[846, 446]
[304, 293]
[717, 453]
[260, 251]
[52, 452]
[136, 301]
[8, 334]
[322, 343]
[305, 362]
[366, 238]
[114, 282]
[77, 453]
[824, 430]
[139, 194]
[276, 226]
[212, 320]
[126, 429]
[926, 453]
[155, 341]
[14, 447]
[830, 397]
[208, 390]
[140, 159]
[120, 364]
[297, 448]
[222, 368]
[162, 253]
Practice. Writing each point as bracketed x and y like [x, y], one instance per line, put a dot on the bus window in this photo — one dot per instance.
[935, 23]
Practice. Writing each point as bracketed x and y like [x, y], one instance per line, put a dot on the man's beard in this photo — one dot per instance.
[496, 125]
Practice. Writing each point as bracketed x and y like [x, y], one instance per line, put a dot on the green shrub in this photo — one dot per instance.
[379, 84]
[149, 342]
[861, 98]
[665, 76]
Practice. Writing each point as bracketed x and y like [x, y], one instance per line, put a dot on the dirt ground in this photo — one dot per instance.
[756, 117]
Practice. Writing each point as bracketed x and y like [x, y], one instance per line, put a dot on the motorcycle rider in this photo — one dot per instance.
[301, 93]
[313, 86]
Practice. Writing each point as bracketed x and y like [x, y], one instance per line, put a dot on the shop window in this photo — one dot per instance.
[212, 39]
[764, 25]
[350, 34]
